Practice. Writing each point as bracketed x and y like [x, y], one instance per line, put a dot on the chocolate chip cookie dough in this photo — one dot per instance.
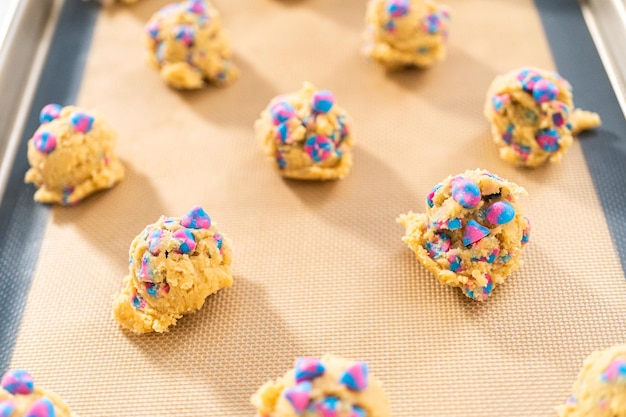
[327, 387]
[187, 45]
[472, 233]
[175, 264]
[406, 33]
[72, 155]
[532, 116]
[20, 398]
[600, 390]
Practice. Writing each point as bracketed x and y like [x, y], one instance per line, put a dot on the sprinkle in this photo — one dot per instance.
[508, 135]
[17, 381]
[137, 300]
[152, 29]
[526, 232]
[308, 368]
[154, 240]
[455, 263]
[500, 212]
[328, 407]
[45, 142]
[323, 101]
[522, 150]
[398, 8]
[499, 101]
[196, 218]
[50, 112]
[357, 411]
[431, 195]
[433, 23]
[544, 91]
[439, 246]
[504, 259]
[145, 272]
[479, 294]
[280, 160]
[282, 132]
[81, 122]
[187, 241]
[355, 377]
[390, 26]
[474, 232]
[615, 370]
[299, 395]
[43, 407]
[548, 139]
[319, 148]
[454, 224]
[218, 241]
[528, 78]
[158, 289]
[6, 408]
[281, 112]
[184, 33]
[197, 7]
[466, 193]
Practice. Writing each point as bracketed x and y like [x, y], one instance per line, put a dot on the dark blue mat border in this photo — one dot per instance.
[22, 221]
[577, 59]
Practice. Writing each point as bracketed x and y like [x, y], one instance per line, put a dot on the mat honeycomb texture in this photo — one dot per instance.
[320, 268]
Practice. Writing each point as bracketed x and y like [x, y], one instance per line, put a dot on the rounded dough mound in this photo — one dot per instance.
[329, 386]
[532, 116]
[600, 389]
[175, 264]
[19, 397]
[307, 135]
[72, 155]
[472, 233]
[406, 33]
[187, 45]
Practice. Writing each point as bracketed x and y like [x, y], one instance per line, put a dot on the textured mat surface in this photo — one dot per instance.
[320, 267]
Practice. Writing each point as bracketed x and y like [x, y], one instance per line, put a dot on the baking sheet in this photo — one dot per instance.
[320, 268]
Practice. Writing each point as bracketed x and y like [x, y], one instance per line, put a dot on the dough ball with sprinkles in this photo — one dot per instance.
[307, 135]
[72, 155]
[175, 264]
[600, 389]
[532, 116]
[20, 397]
[187, 45]
[472, 233]
[406, 33]
[326, 387]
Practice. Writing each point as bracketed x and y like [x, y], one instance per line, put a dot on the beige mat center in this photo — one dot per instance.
[320, 267]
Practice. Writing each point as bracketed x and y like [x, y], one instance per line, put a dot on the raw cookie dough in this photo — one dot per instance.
[187, 45]
[472, 233]
[175, 264]
[20, 398]
[72, 155]
[600, 390]
[307, 135]
[327, 387]
[406, 33]
[532, 116]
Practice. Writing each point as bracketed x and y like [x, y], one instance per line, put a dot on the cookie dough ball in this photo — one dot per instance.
[532, 116]
[600, 390]
[20, 398]
[406, 33]
[175, 264]
[307, 135]
[324, 387]
[187, 45]
[472, 233]
[72, 155]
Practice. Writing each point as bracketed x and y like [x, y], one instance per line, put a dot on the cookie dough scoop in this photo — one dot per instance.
[187, 45]
[72, 155]
[532, 116]
[307, 135]
[472, 233]
[600, 389]
[175, 264]
[19, 397]
[326, 387]
[406, 33]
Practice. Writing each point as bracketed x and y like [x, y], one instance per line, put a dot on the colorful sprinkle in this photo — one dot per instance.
[185, 34]
[344, 128]
[81, 122]
[152, 29]
[280, 160]
[6, 408]
[466, 193]
[154, 240]
[508, 135]
[196, 218]
[137, 300]
[479, 294]
[319, 148]
[145, 271]
[45, 142]
[218, 239]
[398, 8]
[308, 368]
[526, 232]
[474, 232]
[439, 246]
[187, 241]
[499, 101]
[17, 381]
[197, 7]
[528, 78]
[50, 112]
[455, 263]
[355, 377]
[43, 407]
[357, 412]
[500, 212]
[323, 101]
[433, 23]
[544, 91]
[158, 289]
[328, 407]
[281, 112]
[299, 396]
[615, 370]
[454, 224]
[431, 195]
[282, 132]
[548, 139]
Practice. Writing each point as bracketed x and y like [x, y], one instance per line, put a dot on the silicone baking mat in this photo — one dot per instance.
[320, 267]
